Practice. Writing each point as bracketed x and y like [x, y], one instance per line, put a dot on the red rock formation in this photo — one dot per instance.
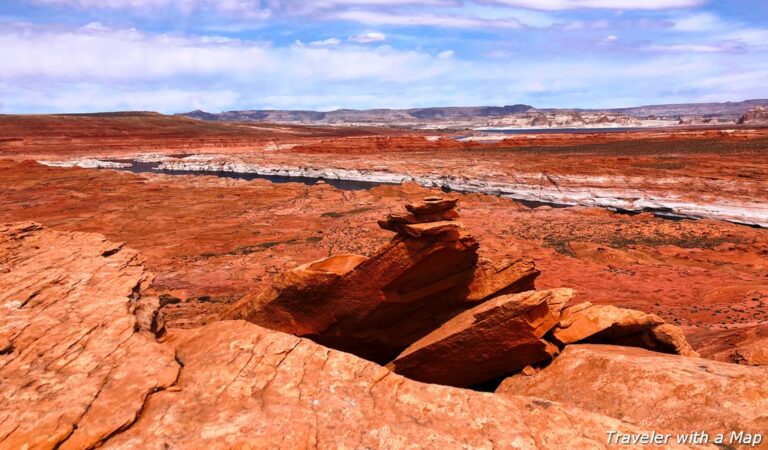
[78, 371]
[756, 116]
[674, 394]
[609, 324]
[489, 341]
[427, 274]
[244, 386]
[75, 367]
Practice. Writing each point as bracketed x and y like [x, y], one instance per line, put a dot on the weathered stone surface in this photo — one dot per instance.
[584, 321]
[430, 228]
[75, 368]
[491, 340]
[408, 288]
[338, 264]
[755, 116]
[607, 324]
[449, 214]
[492, 280]
[243, 386]
[431, 205]
[665, 338]
[753, 354]
[377, 307]
[665, 392]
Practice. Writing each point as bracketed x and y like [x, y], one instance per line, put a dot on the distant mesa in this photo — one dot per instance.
[685, 113]
[755, 116]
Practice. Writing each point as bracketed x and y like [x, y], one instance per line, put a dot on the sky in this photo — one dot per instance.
[219, 55]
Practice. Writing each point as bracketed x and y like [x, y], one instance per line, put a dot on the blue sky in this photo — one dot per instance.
[180, 55]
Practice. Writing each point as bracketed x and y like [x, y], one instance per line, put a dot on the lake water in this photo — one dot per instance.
[565, 130]
[344, 185]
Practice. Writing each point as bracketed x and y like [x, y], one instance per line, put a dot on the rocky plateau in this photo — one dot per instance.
[578, 287]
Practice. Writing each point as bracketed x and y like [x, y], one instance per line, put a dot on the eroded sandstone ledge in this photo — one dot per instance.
[79, 371]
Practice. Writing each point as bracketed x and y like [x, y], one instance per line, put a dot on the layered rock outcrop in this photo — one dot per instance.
[606, 323]
[664, 392]
[426, 305]
[494, 339]
[755, 116]
[80, 369]
[377, 307]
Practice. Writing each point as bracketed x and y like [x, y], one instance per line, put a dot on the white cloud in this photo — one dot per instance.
[693, 48]
[250, 9]
[446, 54]
[330, 42]
[423, 19]
[89, 54]
[698, 22]
[366, 38]
[92, 98]
[597, 4]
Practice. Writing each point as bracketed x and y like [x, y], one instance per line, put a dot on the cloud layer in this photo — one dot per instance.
[89, 55]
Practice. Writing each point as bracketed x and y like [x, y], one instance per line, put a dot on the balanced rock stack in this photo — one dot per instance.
[429, 308]
[376, 307]
[435, 216]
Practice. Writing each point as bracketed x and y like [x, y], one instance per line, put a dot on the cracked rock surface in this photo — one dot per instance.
[652, 390]
[244, 386]
[74, 368]
[79, 370]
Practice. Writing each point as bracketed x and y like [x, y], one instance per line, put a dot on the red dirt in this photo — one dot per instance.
[212, 240]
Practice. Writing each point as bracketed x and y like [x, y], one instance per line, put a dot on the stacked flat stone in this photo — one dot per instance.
[433, 216]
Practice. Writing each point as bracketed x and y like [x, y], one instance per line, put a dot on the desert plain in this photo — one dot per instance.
[179, 306]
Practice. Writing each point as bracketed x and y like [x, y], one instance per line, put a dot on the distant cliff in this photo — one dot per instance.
[481, 115]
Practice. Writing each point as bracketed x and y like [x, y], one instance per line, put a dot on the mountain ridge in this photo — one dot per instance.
[723, 110]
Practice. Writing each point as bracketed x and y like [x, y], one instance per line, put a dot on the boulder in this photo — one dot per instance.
[492, 280]
[77, 364]
[584, 320]
[753, 354]
[244, 386]
[669, 393]
[664, 338]
[493, 339]
[432, 205]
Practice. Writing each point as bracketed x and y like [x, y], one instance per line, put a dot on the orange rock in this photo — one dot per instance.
[430, 228]
[669, 393]
[405, 290]
[244, 386]
[75, 368]
[338, 264]
[493, 339]
[754, 353]
[583, 321]
[432, 205]
[449, 214]
[492, 280]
